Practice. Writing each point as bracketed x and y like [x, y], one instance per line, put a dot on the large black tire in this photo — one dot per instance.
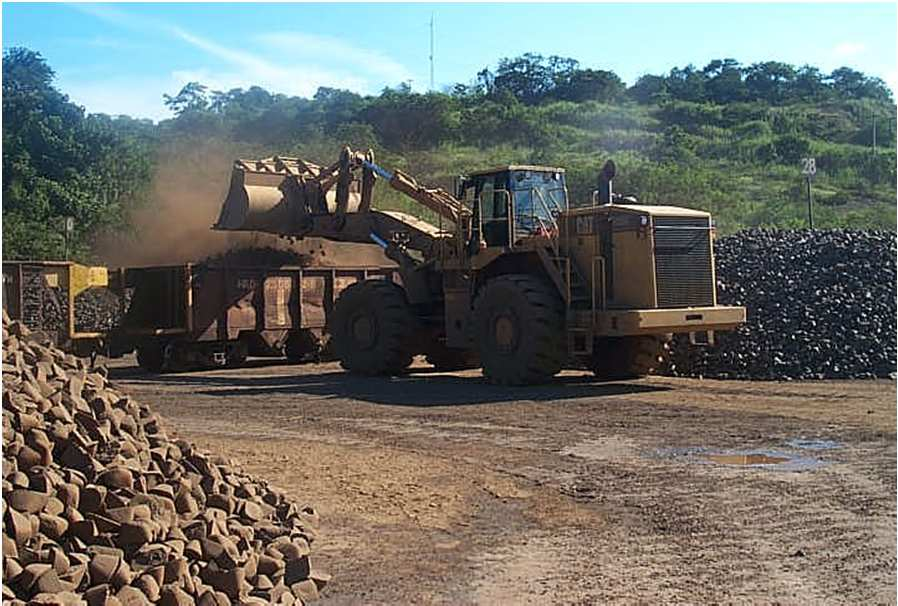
[302, 346]
[236, 354]
[519, 330]
[150, 356]
[619, 358]
[372, 328]
[449, 359]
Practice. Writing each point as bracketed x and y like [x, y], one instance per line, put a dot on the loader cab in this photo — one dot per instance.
[510, 203]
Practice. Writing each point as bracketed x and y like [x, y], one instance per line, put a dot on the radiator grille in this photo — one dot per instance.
[683, 262]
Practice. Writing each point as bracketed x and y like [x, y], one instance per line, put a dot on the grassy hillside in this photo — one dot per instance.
[742, 172]
[727, 138]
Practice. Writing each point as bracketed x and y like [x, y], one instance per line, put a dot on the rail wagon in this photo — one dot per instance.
[188, 316]
[51, 297]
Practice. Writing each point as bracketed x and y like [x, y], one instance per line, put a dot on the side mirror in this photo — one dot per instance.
[609, 170]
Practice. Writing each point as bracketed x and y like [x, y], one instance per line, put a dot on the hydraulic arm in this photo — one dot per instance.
[292, 197]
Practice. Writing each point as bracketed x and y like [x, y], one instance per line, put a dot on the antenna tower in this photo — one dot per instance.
[431, 52]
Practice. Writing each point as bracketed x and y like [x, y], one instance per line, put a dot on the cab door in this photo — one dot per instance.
[495, 206]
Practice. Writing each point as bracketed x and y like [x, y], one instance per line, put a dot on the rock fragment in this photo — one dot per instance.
[101, 507]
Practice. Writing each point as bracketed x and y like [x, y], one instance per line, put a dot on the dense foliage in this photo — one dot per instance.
[727, 138]
[59, 162]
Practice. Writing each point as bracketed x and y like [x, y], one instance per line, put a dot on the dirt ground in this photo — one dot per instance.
[440, 488]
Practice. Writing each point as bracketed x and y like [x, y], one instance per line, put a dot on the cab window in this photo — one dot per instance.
[538, 198]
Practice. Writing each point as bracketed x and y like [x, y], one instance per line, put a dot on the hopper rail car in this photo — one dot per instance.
[181, 317]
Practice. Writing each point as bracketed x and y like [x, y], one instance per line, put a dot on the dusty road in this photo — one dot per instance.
[443, 489]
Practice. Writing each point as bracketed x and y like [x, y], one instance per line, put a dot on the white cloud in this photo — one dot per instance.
[136, 97]
[891, 78]
[287, 62]
[104, 42]
[312, 47]
[846, 50]
[255, 69]
[303, 85]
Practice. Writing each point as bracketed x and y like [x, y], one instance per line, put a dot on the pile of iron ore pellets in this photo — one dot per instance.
[43, 306]
[101, 508]
[820, 304]
[259, 256]
[98, 309]
[47, 308]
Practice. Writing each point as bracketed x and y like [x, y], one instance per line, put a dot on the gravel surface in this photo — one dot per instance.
[439, 488]
[820, 304]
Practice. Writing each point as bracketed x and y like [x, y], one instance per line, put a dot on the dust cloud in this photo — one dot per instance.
[174, 227]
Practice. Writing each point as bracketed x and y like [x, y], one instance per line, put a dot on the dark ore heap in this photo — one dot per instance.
[820, 305]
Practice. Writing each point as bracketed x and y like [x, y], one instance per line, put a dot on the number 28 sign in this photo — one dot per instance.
[809, 167]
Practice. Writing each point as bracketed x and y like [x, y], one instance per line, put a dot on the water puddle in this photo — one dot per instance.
[747, 459]
[761, 459]
[813, 444]
[755, 459]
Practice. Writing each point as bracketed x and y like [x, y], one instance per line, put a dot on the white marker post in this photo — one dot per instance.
[68, 228]
[809, 169]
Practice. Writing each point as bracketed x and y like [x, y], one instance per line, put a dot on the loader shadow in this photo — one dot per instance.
[136, 373]
[420, 388]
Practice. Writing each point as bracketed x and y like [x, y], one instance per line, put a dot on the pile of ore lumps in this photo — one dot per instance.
[101, 508]
[47, 308]
[43, 306]
[258, 256]
[820, 305]
[98, 309]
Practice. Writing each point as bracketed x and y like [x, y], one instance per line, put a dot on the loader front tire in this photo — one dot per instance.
[519, 330]
[372, 327]
[620, 358]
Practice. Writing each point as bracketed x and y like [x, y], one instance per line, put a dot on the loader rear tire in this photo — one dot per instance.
[372, 328]
[519, 329]
[620, 358]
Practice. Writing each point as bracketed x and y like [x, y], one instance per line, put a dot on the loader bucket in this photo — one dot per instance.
[276, 195]
[255, 202]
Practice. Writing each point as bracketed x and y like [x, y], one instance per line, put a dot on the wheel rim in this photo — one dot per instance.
[363, 330]
[505, 333]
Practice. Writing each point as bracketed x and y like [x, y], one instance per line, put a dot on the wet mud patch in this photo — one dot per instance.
[748, 460]
[814, 444]
[755, 458]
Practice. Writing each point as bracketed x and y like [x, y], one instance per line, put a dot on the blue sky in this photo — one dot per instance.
[121, 58]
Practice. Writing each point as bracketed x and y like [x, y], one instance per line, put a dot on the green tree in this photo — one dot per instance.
[686, 84]
[649, 89]
[527, 77]
[590, 85]
[57, 162]
[724, 82]
[770, 81]
[192, 97]
[809, 83]
[853, 84]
